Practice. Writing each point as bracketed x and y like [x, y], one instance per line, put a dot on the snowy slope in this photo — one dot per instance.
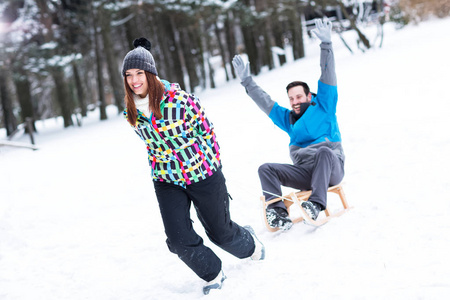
[79, 219]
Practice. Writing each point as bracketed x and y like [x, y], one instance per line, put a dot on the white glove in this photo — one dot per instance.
[242, 69]
[323, 30]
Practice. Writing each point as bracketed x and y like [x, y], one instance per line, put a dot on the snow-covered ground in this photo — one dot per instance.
[79, 218]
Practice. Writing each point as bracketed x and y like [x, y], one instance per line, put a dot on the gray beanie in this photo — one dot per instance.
[140, 57]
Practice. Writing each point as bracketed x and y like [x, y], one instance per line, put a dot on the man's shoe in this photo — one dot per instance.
[278, 218]
[215, 284]
[260, 250]
[312, 209]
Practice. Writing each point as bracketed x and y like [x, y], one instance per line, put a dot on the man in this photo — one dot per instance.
[315, 141]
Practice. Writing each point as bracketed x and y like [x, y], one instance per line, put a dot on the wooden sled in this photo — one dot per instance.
[298, 198]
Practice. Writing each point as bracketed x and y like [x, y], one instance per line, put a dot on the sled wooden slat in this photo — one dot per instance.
[298, 198]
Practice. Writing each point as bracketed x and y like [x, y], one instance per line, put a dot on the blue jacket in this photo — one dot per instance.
[318, 126]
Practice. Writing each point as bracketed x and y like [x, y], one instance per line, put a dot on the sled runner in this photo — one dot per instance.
[298, 198]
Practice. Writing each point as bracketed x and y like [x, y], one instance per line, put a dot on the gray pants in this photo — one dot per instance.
[324, 171]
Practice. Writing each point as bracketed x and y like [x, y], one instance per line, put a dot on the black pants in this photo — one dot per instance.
[326, 170]
[211, 201]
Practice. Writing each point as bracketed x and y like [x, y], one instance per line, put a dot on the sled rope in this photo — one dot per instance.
[278, 196]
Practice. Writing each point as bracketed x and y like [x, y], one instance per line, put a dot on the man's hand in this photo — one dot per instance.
[323, 30]
[242, 69]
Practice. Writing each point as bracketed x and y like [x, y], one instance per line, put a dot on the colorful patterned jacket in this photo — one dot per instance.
[182, 146]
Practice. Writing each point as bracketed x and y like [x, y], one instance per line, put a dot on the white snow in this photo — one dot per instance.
[79, 218]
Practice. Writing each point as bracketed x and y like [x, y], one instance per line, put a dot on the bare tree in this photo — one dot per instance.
[99, 64]
[7, 102]
[351, 18]
[55, 62]
[111, 59]
[23, 89]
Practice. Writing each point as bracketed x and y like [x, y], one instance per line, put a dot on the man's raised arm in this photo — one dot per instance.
[323, 32]
[261, 98]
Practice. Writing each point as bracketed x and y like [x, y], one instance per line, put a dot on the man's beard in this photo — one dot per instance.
[294, 116]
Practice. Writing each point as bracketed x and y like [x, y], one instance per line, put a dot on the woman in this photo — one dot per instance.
[184, 157]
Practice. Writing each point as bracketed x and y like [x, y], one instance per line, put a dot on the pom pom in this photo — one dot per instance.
[142, 42]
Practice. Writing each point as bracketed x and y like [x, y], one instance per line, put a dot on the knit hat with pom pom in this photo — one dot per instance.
[140, 57]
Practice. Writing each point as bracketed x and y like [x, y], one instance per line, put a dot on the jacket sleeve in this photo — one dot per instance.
[327, 65]
[327, 95]
[258, 95]
[280, 117]
[199, 123]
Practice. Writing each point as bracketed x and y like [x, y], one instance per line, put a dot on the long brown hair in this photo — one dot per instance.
[155, 94]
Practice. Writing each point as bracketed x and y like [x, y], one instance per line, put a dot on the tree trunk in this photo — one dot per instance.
[204, 80]
[100, 84]
[62, 96]
[23, 90]
[278, 22]
[7, 104]
[184, 70]
[45, 19]
[381, 21]
[165, 62]
[174, 68]
[251, 49]
[268, 34]
[129, 28]
[111, 61]
[191, 41]
[222, 50]
[296, 28]
[80, 91]
[209, 71]
[231, 39]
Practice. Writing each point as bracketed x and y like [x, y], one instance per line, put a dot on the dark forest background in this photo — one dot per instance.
[64, 57]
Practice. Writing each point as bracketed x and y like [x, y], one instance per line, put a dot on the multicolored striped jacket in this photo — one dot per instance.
[182, 146]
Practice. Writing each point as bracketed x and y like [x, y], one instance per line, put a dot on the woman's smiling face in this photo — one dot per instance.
[137, 81]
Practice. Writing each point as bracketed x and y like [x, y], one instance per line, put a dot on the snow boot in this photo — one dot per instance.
[215, 284]
[278, 217]
[260, 250]
[312, 209]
